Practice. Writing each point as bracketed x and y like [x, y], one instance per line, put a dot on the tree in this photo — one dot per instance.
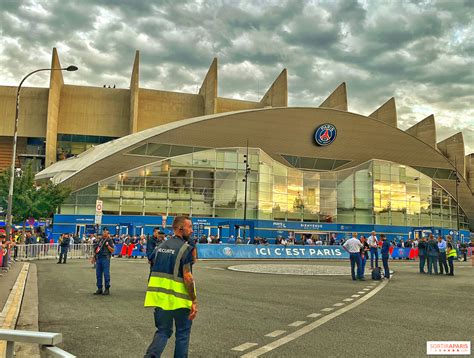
[29, 199]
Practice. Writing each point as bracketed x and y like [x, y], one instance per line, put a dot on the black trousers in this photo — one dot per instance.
[422, 263]
[386, 269]
[451, 265]
[442, 262]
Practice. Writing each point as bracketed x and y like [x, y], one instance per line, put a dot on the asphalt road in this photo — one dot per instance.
[238, 307]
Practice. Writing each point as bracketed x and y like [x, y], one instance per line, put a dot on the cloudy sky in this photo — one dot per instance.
[420, 52]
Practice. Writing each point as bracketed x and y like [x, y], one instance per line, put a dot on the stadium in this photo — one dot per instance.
[135, 158]
[262, 167]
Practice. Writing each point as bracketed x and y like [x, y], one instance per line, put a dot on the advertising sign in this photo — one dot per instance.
[98, 206]
[98, 219]
[209, 251]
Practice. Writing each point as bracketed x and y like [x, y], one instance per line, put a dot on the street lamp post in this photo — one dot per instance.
[458, 180]
[409, 209]
[245, 180]
[15, 137]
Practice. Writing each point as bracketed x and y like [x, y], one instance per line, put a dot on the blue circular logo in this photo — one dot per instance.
[325, 134]
[228, 251]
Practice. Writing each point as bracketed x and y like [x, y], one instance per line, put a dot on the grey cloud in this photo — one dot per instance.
[421, 52]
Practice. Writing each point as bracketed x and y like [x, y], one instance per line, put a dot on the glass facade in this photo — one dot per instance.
[69, 145]
[209, 183]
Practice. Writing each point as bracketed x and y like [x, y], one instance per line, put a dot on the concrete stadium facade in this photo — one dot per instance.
[65, 120]
[175, 141]
[196, 166]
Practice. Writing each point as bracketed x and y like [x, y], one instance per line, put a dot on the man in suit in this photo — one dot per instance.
[422, 254]
[442, 256]
[432, 253]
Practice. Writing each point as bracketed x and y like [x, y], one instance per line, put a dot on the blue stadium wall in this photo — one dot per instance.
[264, 228]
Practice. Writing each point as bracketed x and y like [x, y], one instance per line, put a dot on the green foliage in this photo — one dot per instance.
[29, 199]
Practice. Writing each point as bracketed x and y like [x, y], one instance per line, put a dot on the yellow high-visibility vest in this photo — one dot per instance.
[168, 291]
[452, 253]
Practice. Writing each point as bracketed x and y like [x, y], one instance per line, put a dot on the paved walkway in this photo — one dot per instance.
[242, 313]
[7, 281]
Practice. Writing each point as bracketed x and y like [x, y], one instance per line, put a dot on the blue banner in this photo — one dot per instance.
[224, 251]
[137, 251]
[402, 253]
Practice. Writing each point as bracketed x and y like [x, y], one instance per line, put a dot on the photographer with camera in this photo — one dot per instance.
[103, 249]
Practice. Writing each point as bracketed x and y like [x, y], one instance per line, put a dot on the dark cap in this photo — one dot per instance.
[161, 232]
[105, 228]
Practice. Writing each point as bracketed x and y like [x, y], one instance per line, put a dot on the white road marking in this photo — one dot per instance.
[275, 333]
[308, 328]
[214, 268]
[244, 347]
[314, 315]
[355, 296]
[338, 304]
[297, 323]
[361, 292]
[348, 299]
[366, 289]
[327, 309]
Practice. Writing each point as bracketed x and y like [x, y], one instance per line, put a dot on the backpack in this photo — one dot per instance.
[377, 274]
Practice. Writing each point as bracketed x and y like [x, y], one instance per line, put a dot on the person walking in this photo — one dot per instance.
[103, 249]
[374, 251]
[172, 292]
[385, 251]
[152, 242]
[432, 251]
[422, 246]
[353, 247]
[463, 248]
[364, 252]
[4, 252]
[64, 248]
[452, 255]
[442, 256]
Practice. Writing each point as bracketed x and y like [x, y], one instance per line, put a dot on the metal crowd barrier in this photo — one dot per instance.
[47, 342]
[50, 251]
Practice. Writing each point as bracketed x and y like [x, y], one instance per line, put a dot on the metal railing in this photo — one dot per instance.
[47, 342]
[50, 251]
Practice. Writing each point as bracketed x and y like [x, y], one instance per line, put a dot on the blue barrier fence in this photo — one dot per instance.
[233, 251]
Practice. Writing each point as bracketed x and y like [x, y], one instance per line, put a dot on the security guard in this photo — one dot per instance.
[103, 250]
[171, 290]
[64, 247]
[452, 254]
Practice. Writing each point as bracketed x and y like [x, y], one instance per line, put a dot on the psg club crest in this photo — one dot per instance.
[325, 134]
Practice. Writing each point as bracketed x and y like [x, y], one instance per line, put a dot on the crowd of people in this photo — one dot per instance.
[359, 250]
[170, 282]
[432, 253]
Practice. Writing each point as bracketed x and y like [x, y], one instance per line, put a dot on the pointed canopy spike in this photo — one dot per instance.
[470, 169]
[387, 113]
[277, 94]
[424, 130]
[56, 83]
[337, 99]
[209, 89]
[134, 92]
[135, 80]
[55, 63]
[453, 149]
